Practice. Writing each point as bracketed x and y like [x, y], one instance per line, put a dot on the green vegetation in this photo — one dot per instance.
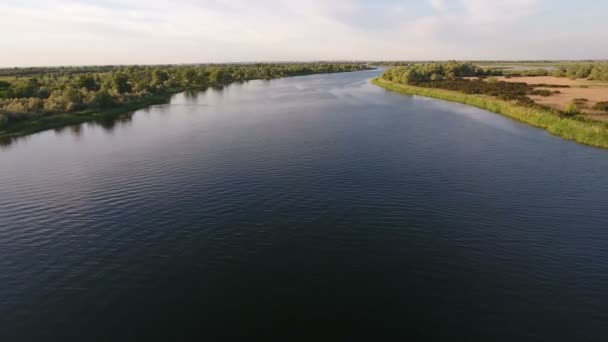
[590, 71]
[33, 99]
[571, 109]
[509, 99]
[435, 72]
[449, 76]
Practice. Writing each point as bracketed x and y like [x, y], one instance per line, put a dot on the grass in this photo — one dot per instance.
[581, 130]
[42, 123]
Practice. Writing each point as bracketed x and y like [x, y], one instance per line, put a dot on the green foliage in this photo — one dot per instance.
[452, 76]
[159, 77]
[4, 89]
[23, 88]
[590, 71]
[103, 99]
[86, 81]
[528, 73]
[35, 92]
[427, 72]
[120, 83]
[571, 109]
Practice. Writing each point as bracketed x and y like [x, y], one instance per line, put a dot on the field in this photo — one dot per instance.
[592, 91]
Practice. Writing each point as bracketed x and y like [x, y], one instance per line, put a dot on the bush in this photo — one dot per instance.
[571, 110]
[103, 99]
[516, 91]
[541, 92]
[492, 79]
[602, 106]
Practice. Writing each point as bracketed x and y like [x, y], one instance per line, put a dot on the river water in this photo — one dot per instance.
[318, 206]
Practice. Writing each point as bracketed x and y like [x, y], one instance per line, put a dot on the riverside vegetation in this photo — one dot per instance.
[34, 99]
[468, 84]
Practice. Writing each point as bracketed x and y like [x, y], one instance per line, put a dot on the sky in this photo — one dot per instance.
[94, 32]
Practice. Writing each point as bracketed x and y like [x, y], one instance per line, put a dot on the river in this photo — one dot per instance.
[318, 206]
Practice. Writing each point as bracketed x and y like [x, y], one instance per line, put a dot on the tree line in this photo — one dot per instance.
[590, 71]
[452, 76]
[33, 92]
[427, 72]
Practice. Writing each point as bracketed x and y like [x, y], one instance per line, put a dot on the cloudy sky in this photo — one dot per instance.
[62, 32]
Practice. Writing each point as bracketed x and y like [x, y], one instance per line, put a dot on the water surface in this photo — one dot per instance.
[314, 206]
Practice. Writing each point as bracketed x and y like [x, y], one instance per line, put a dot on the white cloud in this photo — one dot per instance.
[439, 5]
[157, 31]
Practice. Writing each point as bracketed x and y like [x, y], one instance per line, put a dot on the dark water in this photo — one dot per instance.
[317, 206]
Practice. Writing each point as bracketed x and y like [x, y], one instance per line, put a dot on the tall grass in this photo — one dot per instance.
[581, 130]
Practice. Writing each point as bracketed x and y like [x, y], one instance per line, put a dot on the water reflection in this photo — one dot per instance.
[320, 200]
[108, 123]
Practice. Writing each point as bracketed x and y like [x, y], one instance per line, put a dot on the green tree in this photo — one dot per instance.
[24, 88]
[87, 81]
[103, 99]
[159, 77]
[120, 83]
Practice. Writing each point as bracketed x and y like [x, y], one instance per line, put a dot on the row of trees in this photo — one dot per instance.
[590, 71]
[428, 72]
[32, 92]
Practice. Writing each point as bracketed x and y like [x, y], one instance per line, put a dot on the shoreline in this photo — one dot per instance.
[60, 120]
[43, 123]
[583, 131]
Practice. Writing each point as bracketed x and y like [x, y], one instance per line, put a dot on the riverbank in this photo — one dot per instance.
[37, 122]
[35, 125]
[581, 130]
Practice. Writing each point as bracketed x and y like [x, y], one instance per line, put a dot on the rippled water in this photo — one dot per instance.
[314, 206]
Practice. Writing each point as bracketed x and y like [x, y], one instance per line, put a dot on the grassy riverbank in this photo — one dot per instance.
[581, 130]
[42, 123]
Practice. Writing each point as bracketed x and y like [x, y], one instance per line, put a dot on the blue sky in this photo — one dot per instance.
[55, 32]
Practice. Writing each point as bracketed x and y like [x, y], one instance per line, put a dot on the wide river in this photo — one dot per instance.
[317, 206]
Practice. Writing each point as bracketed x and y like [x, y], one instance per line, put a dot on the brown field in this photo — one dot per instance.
[593, 91]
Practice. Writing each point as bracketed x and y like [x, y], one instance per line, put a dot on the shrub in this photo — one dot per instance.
[103, 99]
[602, 106]
[541, 92]
[580, 102]
[571, 110]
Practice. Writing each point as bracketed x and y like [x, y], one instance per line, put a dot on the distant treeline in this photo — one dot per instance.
[436, 72]
[33, 92]
[451, 76]
[590, 71]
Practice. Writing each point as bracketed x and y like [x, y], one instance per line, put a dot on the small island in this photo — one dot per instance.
[569, 100]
